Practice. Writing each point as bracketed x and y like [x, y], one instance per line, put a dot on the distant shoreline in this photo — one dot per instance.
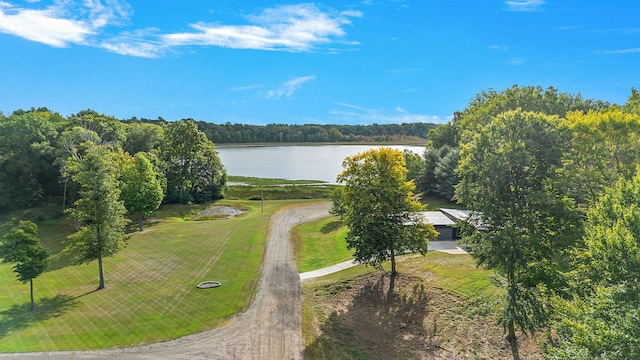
[420, 142]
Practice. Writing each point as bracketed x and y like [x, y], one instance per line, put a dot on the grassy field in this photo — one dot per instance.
[320, 243]
[151, 292]
[276, 189]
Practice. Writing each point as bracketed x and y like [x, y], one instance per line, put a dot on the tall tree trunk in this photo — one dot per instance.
[141, 220]
[513, 341]
[64, 197]
[33, 305]
[393, 263]
[101, 286]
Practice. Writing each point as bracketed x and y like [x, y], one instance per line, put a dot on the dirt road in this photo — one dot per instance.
[269, 329]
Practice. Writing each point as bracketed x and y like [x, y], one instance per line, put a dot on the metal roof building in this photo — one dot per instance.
[444, 225]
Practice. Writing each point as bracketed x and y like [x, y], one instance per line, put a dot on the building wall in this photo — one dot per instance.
[444, 232]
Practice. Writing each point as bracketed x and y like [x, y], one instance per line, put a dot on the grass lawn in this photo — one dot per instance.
[150, 293]
[320, 243]
[434, 203]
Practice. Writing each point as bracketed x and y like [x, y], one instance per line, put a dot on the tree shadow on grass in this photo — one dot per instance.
[60, 260]
[331, 226]
[385, 320]
[19, 316]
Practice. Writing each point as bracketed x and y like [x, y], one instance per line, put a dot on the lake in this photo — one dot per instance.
[321, 162]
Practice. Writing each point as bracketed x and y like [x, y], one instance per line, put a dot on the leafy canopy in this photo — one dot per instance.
[601, 321]
[522, 222]
[21, 246]
[379, 207]
[99, 209]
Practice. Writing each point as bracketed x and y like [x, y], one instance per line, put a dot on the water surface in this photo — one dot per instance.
[322, 162]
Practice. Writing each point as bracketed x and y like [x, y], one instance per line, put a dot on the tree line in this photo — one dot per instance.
[38, 150]
[229, 133]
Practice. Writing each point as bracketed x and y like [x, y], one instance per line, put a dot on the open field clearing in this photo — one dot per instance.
[151, 292]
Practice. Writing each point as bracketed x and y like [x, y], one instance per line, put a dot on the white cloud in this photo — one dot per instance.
[502, 48]
[300, 27]
[44, 26]
[247, 87]
[288, 88]
[290, 27]
[623, 51]
[110, 13]
[356, 114]
[524, 5]
[143, 49]
[135, 44]
[515, 61]
[55, 26]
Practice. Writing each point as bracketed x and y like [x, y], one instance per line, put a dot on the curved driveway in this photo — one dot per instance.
[269, 329]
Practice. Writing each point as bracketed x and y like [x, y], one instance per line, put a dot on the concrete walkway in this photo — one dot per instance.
[449, 247]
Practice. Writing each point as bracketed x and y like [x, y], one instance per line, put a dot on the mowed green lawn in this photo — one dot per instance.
[320, 243]
[151, 292]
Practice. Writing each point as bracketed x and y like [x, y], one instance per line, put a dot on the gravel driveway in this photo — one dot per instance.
[269, 329]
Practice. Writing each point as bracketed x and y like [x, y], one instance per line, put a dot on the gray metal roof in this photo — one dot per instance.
[436, 218]
[456, 214]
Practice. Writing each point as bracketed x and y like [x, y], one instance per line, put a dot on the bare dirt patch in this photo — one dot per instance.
[219, 212]
[371, 317]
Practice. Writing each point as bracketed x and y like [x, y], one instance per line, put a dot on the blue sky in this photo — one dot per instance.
[330, 62]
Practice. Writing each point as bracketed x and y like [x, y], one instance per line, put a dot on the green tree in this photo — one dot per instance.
[337, 199]
[209, 175]
[426, 180]
[194, 170]
[415, 165]
[633, 102]
[142, 137]
[21, 246]
[522, 223]
[444, 171]
[109, 129]
[437, 176]
[490, 103]
[379, 208]
[141, 190]
[445, 134]
[601, 321]
[99, 209]
[27, 152]
[605, 147]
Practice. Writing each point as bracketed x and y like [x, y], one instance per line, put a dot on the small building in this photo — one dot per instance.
[444, 221]
[441, 222]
